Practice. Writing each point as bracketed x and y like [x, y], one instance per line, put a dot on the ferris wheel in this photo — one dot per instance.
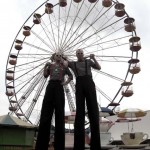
[100, 27]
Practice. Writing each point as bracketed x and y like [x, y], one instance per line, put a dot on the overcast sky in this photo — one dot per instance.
[14, 13]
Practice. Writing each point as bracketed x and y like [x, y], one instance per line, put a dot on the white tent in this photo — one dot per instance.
[9, 120]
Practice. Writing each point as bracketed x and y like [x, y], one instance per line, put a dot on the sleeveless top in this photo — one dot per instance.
[82, 68]
[58, 71]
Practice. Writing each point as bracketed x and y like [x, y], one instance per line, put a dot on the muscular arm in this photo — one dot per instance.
[46, 70]
[70, 77]
[97, 65]
[64, 62]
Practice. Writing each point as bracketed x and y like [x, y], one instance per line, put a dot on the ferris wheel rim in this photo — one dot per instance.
[7, 83]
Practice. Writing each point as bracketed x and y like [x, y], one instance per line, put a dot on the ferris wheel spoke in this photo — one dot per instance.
[27, 93]
[52, 30]
[72, 85]
[115, 57]
[104, 42]
[72, 25]
[79, 27]
[26, 81]
[97, 43]
[104, 94]
[69, 98]
[37, 121]
[109, 75]
[29, 111]
[120, 61]
[22, 81]
[29, 71]
[42, 40]
[84, 19]
[86, 29]
[100, 58]
[34, 82]
[65, 24]
[108, 48]
[91, 35]
[58, 37]
[36, 47]
[24, 64]
[48, 35]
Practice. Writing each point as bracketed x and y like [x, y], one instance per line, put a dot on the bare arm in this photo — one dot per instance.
[46, 70]
[92, 56]
[64, 62]
[70, 77]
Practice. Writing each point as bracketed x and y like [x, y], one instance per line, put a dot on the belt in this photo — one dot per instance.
[84, 77]
[55, 81]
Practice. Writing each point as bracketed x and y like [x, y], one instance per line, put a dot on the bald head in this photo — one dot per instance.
[58, 56]
[79, 51]
[80, 54]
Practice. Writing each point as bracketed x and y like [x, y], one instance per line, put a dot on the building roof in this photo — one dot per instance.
[9, 120]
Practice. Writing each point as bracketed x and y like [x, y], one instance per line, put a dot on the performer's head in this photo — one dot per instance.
[58, 56]
[80, 54]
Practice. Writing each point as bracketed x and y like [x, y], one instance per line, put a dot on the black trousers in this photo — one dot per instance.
[85, 90]
[53, 100]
